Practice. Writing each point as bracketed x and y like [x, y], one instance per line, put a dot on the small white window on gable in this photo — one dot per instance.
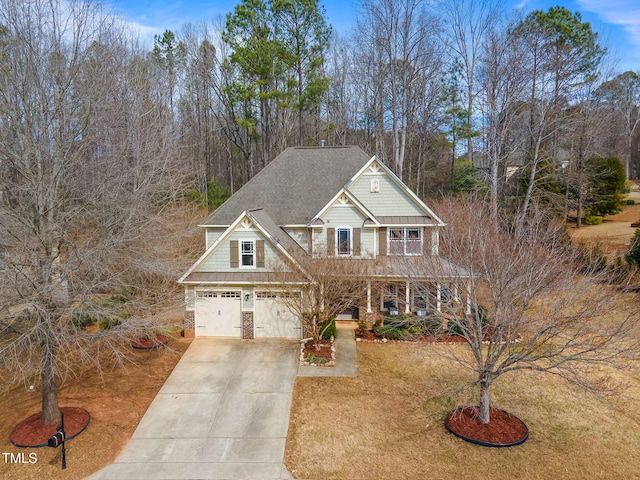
[247, 253]
[375, 185]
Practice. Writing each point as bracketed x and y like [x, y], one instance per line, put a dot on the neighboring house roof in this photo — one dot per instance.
[295, 186]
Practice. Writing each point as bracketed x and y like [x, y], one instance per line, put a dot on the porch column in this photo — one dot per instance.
[438, 298]
[407, 297]
[369, 296]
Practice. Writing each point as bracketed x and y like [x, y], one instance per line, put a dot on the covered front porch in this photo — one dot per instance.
[420, 286]
[422, 298]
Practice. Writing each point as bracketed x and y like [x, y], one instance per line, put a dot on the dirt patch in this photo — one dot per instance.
[150, 342]
[614, 233]
[116, 401]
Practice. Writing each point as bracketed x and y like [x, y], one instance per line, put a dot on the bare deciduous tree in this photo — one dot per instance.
[526, 305]
[88, 163]
[319, 289]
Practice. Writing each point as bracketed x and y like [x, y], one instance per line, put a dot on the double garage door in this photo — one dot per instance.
[219, 314]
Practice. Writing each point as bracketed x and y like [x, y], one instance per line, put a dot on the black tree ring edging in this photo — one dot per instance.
[488, 444]
[68, 437]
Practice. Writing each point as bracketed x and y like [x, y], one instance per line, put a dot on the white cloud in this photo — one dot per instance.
[624, 13]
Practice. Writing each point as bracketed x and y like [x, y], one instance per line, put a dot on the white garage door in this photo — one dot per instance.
[218, 314]
[273, 319]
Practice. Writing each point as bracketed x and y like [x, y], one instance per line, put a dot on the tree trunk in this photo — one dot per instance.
[485, 401]
[50, 407]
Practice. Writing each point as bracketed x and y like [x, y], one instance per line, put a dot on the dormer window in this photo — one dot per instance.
[375, 185]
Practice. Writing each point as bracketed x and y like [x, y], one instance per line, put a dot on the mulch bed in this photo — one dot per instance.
[150, 342]
[502, 430]
[322, 356]
[32, 433]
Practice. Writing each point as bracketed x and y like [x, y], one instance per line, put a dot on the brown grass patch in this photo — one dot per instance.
[388, 423]
[116, 403]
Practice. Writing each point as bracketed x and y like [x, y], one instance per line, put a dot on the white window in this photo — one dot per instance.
[247, 254]
[405, 241]
[375, 185]
[343, 241]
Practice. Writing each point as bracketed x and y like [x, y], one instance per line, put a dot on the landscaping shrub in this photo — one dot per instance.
[362, 329]
[82, 320]
[328, 329]
[431, 326]
[109, 323]
[411, 333]
[593, 220]
[631, 201]
[389, 332]
[401, 320]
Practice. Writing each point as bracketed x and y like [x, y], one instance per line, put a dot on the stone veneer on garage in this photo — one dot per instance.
[247, 325]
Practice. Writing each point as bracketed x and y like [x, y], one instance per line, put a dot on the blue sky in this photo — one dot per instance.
[616, 21]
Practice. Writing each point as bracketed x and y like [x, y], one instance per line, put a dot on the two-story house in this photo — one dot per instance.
[315, 201]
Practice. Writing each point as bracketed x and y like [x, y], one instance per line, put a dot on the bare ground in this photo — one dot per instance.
[116, 402]
[615, 232]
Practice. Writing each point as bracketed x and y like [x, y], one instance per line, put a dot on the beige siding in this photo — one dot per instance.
[219, 260]
[189, 297]
[300, 235]
[211, 235]
[347, 215]
[390, 200]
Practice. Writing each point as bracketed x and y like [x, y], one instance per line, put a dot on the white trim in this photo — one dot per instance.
[241, 254]
[359, 206]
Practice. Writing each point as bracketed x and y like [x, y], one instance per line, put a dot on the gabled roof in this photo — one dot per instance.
[287, 247]
[295, 186]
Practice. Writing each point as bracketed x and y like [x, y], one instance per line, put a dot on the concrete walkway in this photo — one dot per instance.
[345, 355]
[222, 414]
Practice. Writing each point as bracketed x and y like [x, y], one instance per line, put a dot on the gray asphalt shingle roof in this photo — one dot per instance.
[295, 186]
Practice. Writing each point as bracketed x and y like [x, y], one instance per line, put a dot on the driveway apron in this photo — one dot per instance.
[222, 414]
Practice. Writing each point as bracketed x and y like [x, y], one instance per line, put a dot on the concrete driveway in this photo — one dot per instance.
[223, 413]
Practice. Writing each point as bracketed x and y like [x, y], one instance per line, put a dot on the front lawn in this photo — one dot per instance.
[388, 423]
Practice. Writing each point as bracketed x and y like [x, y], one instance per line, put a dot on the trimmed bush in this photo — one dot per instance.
[328, 329]
[631, 201]
[389, 332]
[593, 220]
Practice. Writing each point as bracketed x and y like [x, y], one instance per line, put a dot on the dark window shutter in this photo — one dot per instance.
[331, 242]
[382, 241]
[356, 242]
[259, 253]
[234, 257]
